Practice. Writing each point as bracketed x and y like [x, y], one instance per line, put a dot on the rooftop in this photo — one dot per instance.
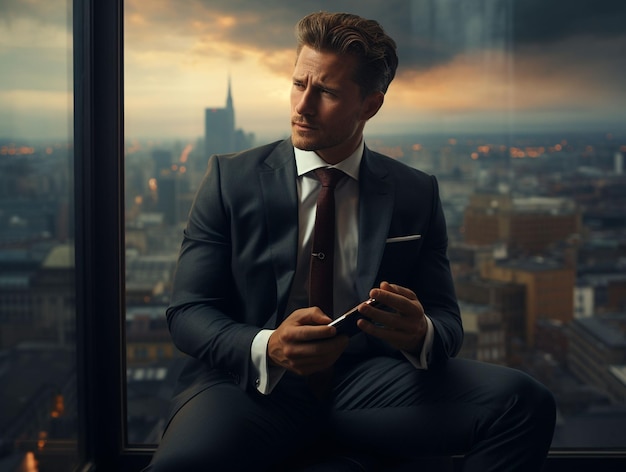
[532, 264]
[608, 328]
[60, 257]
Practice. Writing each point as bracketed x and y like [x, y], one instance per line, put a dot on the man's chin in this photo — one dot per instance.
[303, 143]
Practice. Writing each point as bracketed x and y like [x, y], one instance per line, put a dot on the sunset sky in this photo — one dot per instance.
[465, 65]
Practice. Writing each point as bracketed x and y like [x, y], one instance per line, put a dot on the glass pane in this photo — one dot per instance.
[38, 412]
[518, 108]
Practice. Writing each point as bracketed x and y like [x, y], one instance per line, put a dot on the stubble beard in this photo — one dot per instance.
[312, 143]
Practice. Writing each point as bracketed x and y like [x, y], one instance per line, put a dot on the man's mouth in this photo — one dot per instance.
[302, 125]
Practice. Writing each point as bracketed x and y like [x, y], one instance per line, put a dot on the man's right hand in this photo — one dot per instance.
[304, 344]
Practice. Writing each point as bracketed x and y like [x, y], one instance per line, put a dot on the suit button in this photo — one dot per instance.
[257, 382]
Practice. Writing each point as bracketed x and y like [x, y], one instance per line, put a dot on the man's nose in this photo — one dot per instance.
[305, 104]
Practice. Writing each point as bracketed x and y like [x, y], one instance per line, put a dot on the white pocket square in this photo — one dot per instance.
[400, 239]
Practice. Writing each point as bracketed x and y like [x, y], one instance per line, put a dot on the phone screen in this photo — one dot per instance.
[346, 323]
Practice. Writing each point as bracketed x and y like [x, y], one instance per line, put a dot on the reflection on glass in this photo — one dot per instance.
[527, 146]
[38, 427]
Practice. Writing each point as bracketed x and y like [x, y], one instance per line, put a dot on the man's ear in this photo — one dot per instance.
[372, 104]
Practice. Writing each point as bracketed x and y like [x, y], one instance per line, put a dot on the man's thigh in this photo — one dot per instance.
[388, 404]
[225, 428]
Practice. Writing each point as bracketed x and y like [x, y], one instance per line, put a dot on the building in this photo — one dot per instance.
[584, 300]
[149, 278]
[148, 339]
[549, 288]
[153, 364]
[484, 334]
[37, 350]
[36, 296]
[220, 134]
[528, 225]
[551, 338]
[466, 259]
[597, 354]
[219, 127]
[55, 304]
[607, 291]
[506, 301]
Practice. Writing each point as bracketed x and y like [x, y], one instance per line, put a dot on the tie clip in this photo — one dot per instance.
[320, 255]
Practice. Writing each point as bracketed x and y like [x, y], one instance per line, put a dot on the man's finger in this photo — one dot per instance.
[399, 289]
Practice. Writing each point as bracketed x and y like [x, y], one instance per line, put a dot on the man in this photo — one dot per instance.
[268, 378]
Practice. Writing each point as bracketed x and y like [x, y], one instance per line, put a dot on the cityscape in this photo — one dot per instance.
[537, 244]
[517, 107]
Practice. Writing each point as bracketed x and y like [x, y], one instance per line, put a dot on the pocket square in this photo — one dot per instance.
[400, 239]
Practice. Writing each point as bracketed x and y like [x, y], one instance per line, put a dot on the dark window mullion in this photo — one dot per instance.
[98, 82]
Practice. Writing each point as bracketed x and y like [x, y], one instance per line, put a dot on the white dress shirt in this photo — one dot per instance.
[346, 251]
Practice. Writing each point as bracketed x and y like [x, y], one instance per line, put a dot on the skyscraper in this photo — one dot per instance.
[220, 134]
[219, 127]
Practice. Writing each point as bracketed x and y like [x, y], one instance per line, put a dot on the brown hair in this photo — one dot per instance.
[345, 33]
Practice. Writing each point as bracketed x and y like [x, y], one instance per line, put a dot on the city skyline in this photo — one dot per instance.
[483, 65]
[545, 75]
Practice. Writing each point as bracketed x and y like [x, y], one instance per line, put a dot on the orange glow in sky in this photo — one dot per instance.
[179, 56]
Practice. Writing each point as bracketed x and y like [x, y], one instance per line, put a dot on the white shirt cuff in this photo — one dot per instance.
[421, 362]
[267, 377]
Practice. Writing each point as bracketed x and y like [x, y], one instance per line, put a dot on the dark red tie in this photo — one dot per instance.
[322, 248]
[322, 263]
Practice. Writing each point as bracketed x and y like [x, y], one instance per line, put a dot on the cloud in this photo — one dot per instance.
[428, 32]
[540, 21]
[44, 12]
[458, 58]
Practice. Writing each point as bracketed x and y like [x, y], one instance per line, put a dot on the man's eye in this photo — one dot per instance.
[298, 85]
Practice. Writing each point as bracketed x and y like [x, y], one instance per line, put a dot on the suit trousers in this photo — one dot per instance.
[498, 418]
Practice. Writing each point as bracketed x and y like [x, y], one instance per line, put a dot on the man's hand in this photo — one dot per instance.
[304, 344]
[404, 327]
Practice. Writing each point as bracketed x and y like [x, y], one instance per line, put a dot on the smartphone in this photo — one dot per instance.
[346, 323]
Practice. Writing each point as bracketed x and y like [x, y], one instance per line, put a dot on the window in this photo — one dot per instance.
[484, 99]
[38, 386]
[120, 283]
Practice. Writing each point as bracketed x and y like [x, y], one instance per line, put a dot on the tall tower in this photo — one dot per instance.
[229, 103]
[219, 127]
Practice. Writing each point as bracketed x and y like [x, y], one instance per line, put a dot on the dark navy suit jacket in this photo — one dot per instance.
[238, 258]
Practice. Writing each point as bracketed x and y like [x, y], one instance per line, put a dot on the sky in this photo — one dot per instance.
[465, 65]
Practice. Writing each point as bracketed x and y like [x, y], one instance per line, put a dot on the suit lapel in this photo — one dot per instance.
[376, 200]
[280, 203]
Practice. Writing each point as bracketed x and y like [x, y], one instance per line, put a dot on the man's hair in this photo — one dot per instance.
[345, 33]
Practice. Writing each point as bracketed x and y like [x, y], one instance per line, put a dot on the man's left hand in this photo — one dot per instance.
[403, 325]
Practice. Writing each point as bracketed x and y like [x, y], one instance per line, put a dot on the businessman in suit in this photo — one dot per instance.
[267, 377]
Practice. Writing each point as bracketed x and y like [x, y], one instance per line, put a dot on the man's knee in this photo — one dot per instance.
[186, 463]
[531, 403]
[541, 403]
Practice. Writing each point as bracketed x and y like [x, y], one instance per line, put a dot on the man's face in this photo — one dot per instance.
[327, 111]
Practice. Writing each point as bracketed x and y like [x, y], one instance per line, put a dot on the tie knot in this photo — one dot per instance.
[329, 176]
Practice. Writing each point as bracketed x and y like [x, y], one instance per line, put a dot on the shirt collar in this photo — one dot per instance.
[307, 161]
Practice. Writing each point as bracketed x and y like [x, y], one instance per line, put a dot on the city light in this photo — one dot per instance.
[13, 150]
[30, 463]
[184, 156]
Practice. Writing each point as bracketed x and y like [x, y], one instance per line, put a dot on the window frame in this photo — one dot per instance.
[98, 42]
[99, 188]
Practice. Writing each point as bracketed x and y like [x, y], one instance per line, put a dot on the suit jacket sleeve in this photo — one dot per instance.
[422, 264]
[205, 317]
[435, 287]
